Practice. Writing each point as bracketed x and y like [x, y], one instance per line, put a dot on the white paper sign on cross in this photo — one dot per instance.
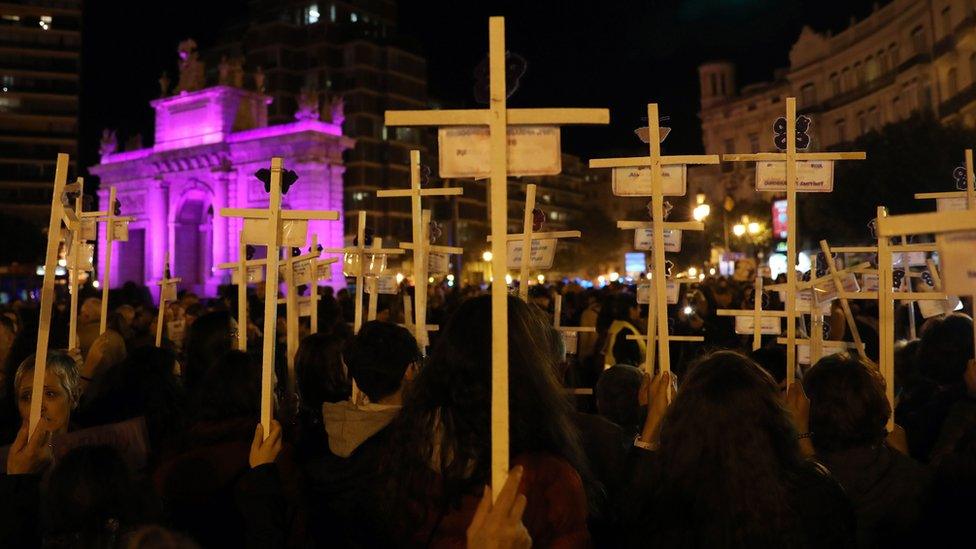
[167, 293]
[758, 315]
[499, 119]
[421, 227]
[116, 229]
[791, 160]
[245, 271]
[55, 236]
[358, 265]
[656, 162]
[77, 263]
[272, 218]
[523, 244]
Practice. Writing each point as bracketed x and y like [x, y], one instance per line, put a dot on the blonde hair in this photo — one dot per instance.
[62, 365]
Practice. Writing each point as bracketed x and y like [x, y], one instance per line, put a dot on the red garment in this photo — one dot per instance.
[555, 514]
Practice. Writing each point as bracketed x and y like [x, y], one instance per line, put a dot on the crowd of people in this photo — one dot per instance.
[146, 446]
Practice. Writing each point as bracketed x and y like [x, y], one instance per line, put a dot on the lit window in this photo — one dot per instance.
[554, 216]
[384, 133]
[10, 17]
[358, 196]
[312, 14]
[332, 13]
[45, 22]
[353, 17]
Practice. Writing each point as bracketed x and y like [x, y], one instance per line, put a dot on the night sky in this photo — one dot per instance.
[580, 54]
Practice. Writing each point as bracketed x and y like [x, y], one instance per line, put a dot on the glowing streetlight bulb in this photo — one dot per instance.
[450, 278]
[712, 271]
[541, 278]
[692, 272]
[738, 229]
[753, 228]
[614, 276]
[701, 212]
[430, 280]
[486, 256]
[701, 276]
[95, 284]
[399, 278]
[508, 279]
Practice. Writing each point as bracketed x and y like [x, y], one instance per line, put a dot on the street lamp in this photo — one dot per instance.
[486, 256]
[738, 229]
[753, 227]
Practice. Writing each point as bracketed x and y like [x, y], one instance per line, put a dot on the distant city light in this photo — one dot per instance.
[486, 256]
[692, 272]
[738, 229]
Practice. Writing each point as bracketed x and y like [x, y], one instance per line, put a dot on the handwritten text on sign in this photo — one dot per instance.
[958, 262]
[636, 181]
[644, 293]
[254, 275]
[293, 233]
[532, 150]
[543, 252]
[437, 264]
[767, 325]
[385, 285]
[644, 239]
[829, 348]
[812, 176]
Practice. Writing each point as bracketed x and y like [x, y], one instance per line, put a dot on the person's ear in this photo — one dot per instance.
[412, 370]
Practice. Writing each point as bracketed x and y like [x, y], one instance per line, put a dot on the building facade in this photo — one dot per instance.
[324, 50]
[40, 45]
[907, 57]
[208, 145]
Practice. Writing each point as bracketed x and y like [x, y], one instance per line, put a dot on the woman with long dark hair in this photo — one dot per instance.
[728, 470]
[440, 458]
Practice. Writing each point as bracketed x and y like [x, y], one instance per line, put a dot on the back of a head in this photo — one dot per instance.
[91, 495]
[945, 349]
[318, 368]
[454, 392]
[727, 445]
[207, 339]
[378, 356]
[230, 389]
[617, 396]
[848, 407]
[156, 537]
[772, 360]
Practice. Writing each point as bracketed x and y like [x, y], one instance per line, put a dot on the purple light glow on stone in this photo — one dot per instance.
[208, 145]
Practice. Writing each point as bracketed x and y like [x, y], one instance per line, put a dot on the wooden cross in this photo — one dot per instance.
[110, 218]
[272, 218]
[354, 259]
[421, 253]
[757, 313]
[408, 317]
[653, 321]
[242, 269]
[790, 157]
[557, 319]
[54, 238]
[526, 237]
[291, 303]
[655, 160]
[498, 118]
[937, 223]
[75, 262]
[167, 292]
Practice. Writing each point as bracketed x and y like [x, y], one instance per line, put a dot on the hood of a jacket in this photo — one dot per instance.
[349, 425]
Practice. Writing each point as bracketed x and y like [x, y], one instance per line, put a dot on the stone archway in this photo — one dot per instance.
[193, 243]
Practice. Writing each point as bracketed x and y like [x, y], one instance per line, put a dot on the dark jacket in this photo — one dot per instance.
[20, 502]
[555, 513]
[888, 491]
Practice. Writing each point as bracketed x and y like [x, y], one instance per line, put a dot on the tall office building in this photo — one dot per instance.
[40, 62]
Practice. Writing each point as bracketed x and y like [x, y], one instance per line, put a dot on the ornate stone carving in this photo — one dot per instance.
[308, 105]
[109, 144]
[191, 68]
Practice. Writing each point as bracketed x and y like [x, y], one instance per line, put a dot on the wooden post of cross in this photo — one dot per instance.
[242, 270]
[526, 237]
[845, 306]
[354, 259]
[74, 263]
[757, 313]
[421, 225]
[498, 118]
[54, 238]
[291, 303]
[167, 292]
[655, 160]
[653, 320]
[269, 221]
[111, 220]
[421, 264]
[791, 157]
[373, 283]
